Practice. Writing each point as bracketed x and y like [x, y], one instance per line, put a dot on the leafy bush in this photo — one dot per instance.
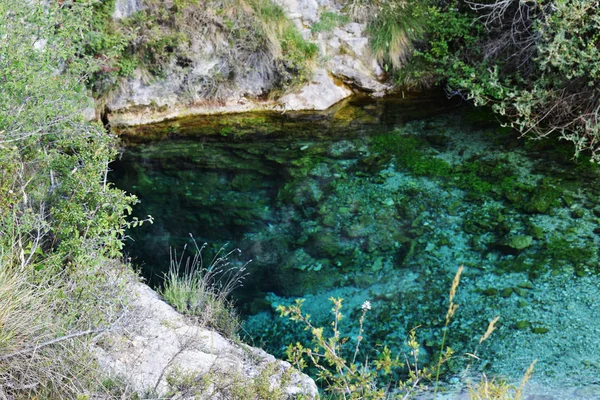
[61, 222]
[345, 373]
[534, 63]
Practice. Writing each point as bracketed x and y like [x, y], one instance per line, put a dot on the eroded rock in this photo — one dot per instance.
[184, 91]
[162, 352]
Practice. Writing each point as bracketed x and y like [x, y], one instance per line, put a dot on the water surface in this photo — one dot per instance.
[383, 201]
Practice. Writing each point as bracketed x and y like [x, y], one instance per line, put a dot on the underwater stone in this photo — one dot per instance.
[522, 304]
[540, 330]
[506, 292]
[453, 207]
[502, 228]
[519, 242]
[364, 280]
[388, 202]
[326, 244]
[536, 232]
[569, 200]
[525, 285]
[577, 213]
[489, 292]
[523, 324]
[353, 231]
[542, 200]
[343, 149]
[329, 220]
[377, 264]
[520, 292]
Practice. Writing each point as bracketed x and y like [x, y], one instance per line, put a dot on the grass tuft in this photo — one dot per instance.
[203, 292]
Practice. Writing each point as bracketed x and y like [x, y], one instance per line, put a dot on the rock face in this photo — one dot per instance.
[344, 65]
[318, 94]
[125, 8]
[163, 353]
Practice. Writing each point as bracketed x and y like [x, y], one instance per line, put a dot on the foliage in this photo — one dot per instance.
[345, 376]
[339, 371]
[491, 389]
[536, 63]
[346, 373]
[329, 21]
[61, 223]
[203, 292]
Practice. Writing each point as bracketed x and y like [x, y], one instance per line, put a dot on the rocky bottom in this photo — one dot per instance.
[387, 212]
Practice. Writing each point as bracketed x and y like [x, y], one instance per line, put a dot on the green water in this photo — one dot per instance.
[383, 201]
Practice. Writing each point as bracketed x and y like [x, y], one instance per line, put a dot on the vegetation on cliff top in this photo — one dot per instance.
[238, 37]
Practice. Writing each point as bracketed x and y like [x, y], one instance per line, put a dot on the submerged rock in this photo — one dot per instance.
[520, 242]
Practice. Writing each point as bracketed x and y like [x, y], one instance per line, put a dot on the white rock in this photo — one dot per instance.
[185, 91]
[305, 10]
[161, 342]
[125, 8]
[319, 94]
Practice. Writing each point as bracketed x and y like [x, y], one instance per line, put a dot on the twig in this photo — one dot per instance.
[50, 342]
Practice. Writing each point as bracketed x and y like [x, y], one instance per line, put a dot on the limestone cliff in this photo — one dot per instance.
[203, 79]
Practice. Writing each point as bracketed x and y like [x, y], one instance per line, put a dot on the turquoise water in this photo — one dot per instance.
[383, 201]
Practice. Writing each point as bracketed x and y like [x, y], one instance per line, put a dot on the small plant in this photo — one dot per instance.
[491, 389]
[203, 292]
[497, 389]
[329, 21]
[344, 377]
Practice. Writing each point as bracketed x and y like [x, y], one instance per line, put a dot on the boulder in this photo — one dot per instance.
[345, 62]
[319, 94]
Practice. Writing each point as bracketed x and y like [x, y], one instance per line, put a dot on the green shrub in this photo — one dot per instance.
[345, 373]
[61, 223]
[543, 81]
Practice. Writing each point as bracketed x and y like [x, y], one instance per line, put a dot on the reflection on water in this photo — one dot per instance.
[383, 201]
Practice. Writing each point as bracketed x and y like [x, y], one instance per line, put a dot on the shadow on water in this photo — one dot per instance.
[221, 177]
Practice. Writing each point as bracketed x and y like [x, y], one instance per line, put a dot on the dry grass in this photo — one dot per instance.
[491, 389]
